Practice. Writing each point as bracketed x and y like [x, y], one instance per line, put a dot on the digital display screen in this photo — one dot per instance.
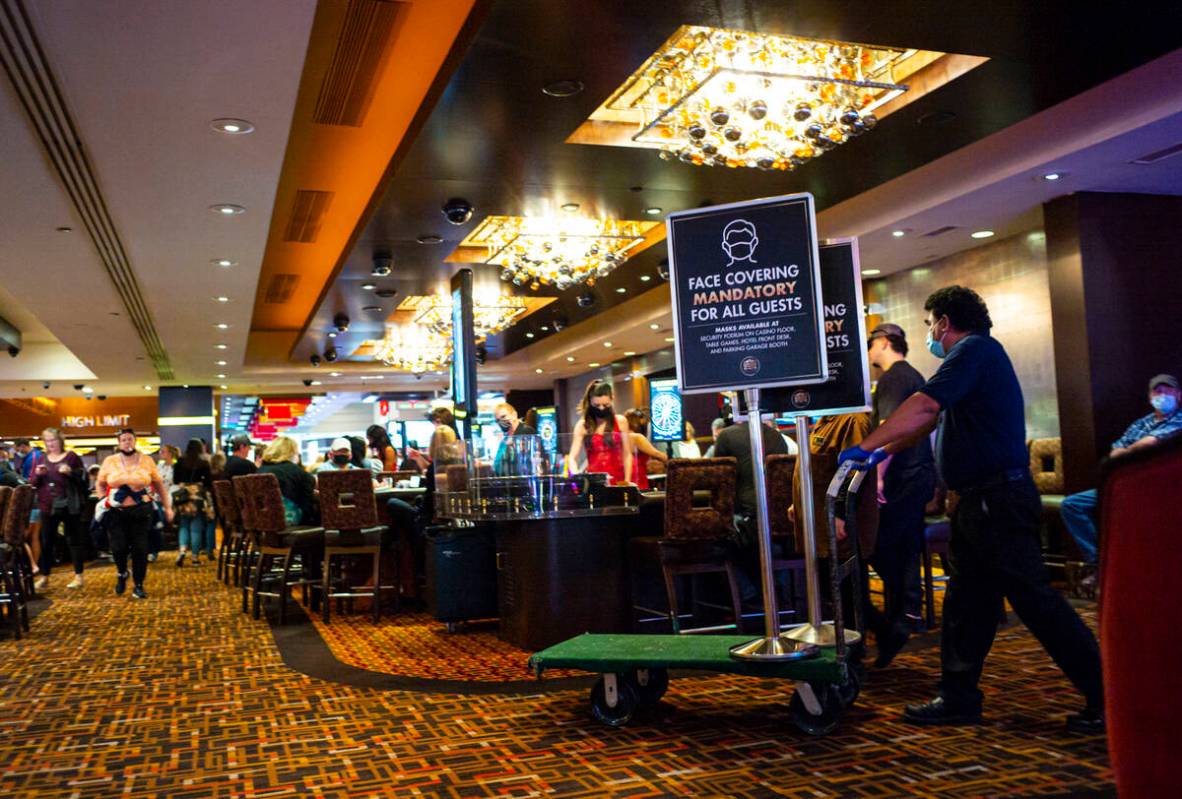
[458, 370]
[548, 429]
[666, 414]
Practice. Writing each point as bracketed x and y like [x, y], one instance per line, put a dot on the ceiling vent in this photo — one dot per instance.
[940, 231]
[307, 214]
[1158, 155]
[348, 84]
[280, 288]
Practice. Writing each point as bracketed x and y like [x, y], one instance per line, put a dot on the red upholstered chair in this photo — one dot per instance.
[277, 543]
[1140, 611]
[350, 518]
[695, 537]
[17, 577]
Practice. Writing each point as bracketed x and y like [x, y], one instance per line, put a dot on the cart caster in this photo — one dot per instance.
[851, 688]
[650, 685]
[452, 626]
[823, 698]
[614, 700]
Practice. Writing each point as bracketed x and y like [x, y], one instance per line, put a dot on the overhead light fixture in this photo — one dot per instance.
[223, 262]
[315, 383]
[220, 363]
[982, 234]
[368, 286]
[734, 98]
[570, 359]
[562, 88]
[570, 208]
[222, 326]
[221, 299]
[371, 308]
[332, 334]
[1052, 176]
[429, 239]
[234, 127]
[220, 376]
[654, 326]
[545, 328]
[411, 348]
[607, 344]
[668, 339]
[629, 353]
[898, 233]
[645, 278]
[147, 388]
[594, 364]
[227, 209]
[530, 335]
[621, 290]
[219, 346]
[653, 211]
[539, 370]
[559, 251]
[334, 374]
[224, 388]
[871, 272]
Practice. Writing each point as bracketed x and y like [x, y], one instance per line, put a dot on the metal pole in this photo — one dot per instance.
[772, 646]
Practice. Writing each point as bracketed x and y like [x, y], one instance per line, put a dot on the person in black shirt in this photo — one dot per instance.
[296, 485]
[240, 461]
[908, 479]
[981, 454]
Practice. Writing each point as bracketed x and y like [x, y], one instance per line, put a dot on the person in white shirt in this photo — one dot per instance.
[340, 457]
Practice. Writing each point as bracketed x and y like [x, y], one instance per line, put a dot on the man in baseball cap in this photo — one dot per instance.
[340, 457]
[240, 462]
[1078, 511]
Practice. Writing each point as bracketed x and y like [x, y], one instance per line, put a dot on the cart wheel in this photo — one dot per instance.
[851, 688]
[613, 700]
[650, 684]
[452, 626]
[827, 700]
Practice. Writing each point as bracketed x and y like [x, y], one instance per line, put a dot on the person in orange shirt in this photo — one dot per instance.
[124, 482]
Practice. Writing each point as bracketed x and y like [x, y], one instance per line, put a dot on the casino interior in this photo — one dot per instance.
[428, 335]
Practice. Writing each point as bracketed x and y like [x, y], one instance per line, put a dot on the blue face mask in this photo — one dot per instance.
[935, 347]
[1164, 403]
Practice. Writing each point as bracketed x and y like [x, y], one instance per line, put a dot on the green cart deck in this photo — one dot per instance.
[620, 653]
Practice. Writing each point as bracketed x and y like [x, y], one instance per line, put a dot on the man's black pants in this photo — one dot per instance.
[995, 554]
[899, 542]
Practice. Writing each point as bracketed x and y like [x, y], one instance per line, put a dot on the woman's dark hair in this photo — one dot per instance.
[964, 308]
[637, 419]
[441, 415]
[126, 431]
[358, 447]
[194, 454]
[531, 418]
[378, 439]
[596, 388]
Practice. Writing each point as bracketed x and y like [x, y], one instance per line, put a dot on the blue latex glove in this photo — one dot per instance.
[861, 458]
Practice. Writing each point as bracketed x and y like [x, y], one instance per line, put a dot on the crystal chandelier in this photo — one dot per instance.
[413, 348]
[491, 312]
[556, 251]
[731, 98]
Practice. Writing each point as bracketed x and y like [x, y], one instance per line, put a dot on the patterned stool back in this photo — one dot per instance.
[684, 476]
[347, 500]
[263, 502]
[16, 515]
[778, 478]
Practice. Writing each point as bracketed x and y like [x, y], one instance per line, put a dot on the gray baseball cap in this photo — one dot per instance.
[887, 329]
[1163, 380]
[240, 440]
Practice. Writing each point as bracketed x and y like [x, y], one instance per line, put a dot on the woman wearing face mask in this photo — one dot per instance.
[60, 481]
[124, 481]
[603, 434]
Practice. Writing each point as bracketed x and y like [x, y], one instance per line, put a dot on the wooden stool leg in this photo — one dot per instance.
[283, 589]
[377, 585]
[326, 585]
[257, 581]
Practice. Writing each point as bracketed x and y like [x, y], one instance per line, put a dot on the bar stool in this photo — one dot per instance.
[696, 538]
[230, 552]
[349, 513]
[778, 478]
[17, 579]
[276, 542]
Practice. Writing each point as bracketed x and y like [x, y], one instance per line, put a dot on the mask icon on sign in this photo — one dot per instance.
[739, 241]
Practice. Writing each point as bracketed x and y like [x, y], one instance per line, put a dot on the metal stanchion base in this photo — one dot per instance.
[821, 635]
[767, 649]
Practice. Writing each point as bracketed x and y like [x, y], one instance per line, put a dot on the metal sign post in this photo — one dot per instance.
[773, 646]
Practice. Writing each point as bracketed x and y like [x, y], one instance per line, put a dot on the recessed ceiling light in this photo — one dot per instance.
[563, 88]
[186, 385]
[224, 388]
[368, 286]
[871, 272]
[222, 299]
[607, 344]
[982, 234]
[529, 335]
[654, 326]
[570, 359]
[332, 334]
[570, 207]
[64, 229]
[234, 127]
[227, 209]
[539, 370]
[222, 326]
[645, 278]
[653, 211]
[221, 377]
[629, 352]
[545, 328]
[429, 239]
[371, 308]
[147, 388]
[223, 262]
[898, 233]
[1052, 176]
[315, 383]
[594, 364]
[669, 339]
[220, 346]
[334, 374]
[621, 290]
[220, 363]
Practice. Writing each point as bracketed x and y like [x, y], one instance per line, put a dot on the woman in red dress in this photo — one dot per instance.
[645, 451]
[603, 435]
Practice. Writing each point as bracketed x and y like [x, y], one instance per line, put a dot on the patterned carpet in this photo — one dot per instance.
[183, 696]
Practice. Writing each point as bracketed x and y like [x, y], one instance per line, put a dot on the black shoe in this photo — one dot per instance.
[888, 647]
[1090, 720]
[121, 583]
[936, 712]
[139, 593]
[180, 559]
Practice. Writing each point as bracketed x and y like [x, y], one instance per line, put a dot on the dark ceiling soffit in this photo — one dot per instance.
[443, 77]
[32, 78]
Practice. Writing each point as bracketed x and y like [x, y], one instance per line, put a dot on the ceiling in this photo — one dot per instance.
[142, 87]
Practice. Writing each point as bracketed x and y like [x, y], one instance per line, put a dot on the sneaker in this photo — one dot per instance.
[121, 582]
[180, 559]
[937, 712]
[197, 561]
[1090, 720]
[138, 593]
[151, 557]
[41, 583]
[76, 582]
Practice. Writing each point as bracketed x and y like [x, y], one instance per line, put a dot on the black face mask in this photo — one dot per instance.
[505, 425]
[341, 460]
[604, 412]
[127, 451]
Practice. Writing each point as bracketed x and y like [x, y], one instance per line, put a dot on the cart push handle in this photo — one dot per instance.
[836, 570]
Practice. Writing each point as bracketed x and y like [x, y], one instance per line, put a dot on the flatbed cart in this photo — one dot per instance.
[634, 669]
